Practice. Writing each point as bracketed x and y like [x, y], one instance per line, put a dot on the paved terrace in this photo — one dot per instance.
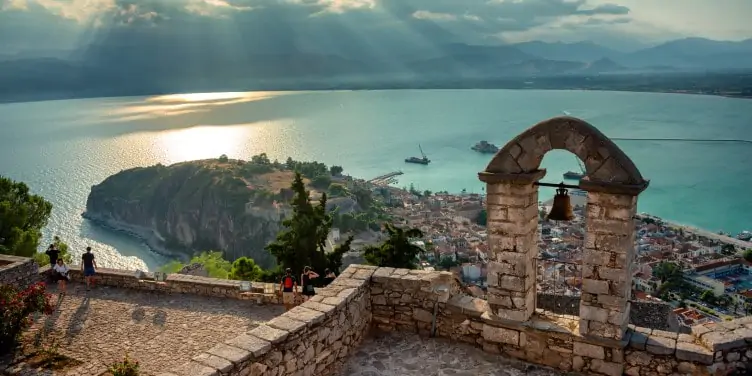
[407, 354]
[159, 330]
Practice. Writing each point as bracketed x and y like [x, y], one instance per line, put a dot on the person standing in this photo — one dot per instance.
[53, 253]
[305, 280]
[288, 287]
[60, 271]
[88, 266]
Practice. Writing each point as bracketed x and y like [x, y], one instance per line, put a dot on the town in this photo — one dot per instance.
[706, 277]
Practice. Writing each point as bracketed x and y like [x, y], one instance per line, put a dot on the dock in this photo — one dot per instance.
[385, 179]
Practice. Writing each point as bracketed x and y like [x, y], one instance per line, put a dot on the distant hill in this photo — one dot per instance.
[147, 67]
[581, 51]
[693, 53]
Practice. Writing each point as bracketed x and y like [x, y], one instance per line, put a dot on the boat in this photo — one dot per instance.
[573, 175]
[423, 160]
[485, 147]
[745, 236]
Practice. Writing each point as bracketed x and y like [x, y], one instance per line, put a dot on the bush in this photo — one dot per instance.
[16, 308]
[127, 367]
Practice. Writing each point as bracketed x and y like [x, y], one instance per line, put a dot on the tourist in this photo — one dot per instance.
[305, 280]
[288, 287]
[329, 276]
[60, 272]
[88, 266]
[53, 253]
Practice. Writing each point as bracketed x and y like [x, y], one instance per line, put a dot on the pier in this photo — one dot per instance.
[386, 178]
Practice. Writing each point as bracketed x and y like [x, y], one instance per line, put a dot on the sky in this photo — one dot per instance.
[300, 24]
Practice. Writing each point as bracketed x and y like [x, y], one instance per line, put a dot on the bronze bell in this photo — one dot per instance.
[562, 208]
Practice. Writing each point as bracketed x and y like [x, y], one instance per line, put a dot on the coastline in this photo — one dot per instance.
[698, 231]
[396, 87]
[147, 236]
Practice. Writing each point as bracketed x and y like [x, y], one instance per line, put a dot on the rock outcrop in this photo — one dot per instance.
[228, 205]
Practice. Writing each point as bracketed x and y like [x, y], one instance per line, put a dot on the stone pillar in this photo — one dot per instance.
[512, 207]
[607, 264]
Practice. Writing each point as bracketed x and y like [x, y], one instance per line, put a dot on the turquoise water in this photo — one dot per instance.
[61, 148]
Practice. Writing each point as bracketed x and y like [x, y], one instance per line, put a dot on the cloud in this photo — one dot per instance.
[331, 26]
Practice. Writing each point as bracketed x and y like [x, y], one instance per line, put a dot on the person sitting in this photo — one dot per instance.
[329, 276]
[61, 275]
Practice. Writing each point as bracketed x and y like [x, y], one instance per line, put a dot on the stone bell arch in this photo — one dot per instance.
[612, 183]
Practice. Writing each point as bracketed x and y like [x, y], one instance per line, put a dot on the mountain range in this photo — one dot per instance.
[104, 68]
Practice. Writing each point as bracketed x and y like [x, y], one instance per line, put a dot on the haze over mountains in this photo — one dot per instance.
[160, 66]
[117, 47]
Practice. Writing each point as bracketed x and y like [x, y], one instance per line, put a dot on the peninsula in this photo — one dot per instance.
[223, 204]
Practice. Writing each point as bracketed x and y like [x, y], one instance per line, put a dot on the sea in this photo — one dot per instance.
[61, 148]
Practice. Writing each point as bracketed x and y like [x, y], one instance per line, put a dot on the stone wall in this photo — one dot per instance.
[654, 315]
[18, 271]
[430, 303]
[313, 338]
[262, 293]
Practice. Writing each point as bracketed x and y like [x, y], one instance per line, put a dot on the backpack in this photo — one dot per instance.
[287, 282]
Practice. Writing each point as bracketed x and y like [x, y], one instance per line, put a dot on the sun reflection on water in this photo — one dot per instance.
[203, 142]
[181, 104]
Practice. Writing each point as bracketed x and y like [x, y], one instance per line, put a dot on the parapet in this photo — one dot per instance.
[317, 336]
[401, 301]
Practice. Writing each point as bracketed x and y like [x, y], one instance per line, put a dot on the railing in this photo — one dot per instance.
[558, 284]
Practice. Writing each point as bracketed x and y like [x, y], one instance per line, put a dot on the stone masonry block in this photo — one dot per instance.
[231, 353]
[660, 345]
[255, 345]
[497, 213]
[723, 341]
[512, 201]
[610, 226]
[607, 368]
[593, 313]
[513, 243]
[595, 257]
[516, 315]
[513, 228]
[269, 334]
[511, 189]
[589, 350]
[693, 353]
[608, 199]
[501, 335]
[305, 315]
[593, 286]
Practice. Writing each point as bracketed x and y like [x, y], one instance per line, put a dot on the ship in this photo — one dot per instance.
[423, 160]
[571, 175]
[744, 236]
[485, 147]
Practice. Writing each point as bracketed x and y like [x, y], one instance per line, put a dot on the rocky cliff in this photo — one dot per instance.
[227, 205]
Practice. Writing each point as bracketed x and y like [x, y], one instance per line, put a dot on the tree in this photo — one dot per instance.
[397, 251]
[337, 190]
[213, 263]
[708, 297]
[747, 255]
[42, 259]
[336, 170]
[482, 218]
[321, 182]
[223, 158]
[302, 241]
[728, 249]
[245, 269]
[261, 159]
[668, 272]
[22, 217]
